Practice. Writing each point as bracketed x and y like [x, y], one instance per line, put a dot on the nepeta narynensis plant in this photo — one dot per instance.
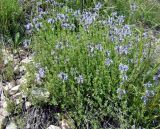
[102, 72]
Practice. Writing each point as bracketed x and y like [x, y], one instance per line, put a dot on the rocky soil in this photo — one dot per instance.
[10, 90]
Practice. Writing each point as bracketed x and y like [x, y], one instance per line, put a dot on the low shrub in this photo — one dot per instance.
[101, 76]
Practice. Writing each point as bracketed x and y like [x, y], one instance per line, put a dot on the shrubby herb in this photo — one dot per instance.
[93, 62]
[95, 67]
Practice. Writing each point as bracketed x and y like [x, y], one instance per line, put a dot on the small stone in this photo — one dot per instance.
[1, 67]
[22, 68]
[28, 104]
[11, 125]
[4, 82]
[23, 73]
[6, 88]
[17, 95]
[53, 127]
[16, 77]
[7, 58]
[17, 101]
[9, 85]
[16, 56]
[16, 61]
[40, 92]
[22, 53]
[21, 81]
[64, 125]
[27, 60]
[16, 68]
[14, 90]
[13, 83]
[3, 117]
[4, 104]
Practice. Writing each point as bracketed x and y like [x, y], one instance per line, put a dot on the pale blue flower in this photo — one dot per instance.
[35, 20]
[108, 53]
[40, 9]
[124, 77]
[28, 26]
[99, 47]
[38, 78]
[80, 79]
[63, 76]
[149, 93]
[120, 19]
[145, 35]
[26, 43]
[38, 25]
[50, 20]
[120, 92]
[98, 6]
[148, 84]
[62, 17]
[123, 68]
[119, 49]
[145, 99]
[108, 62]
[59, 45]
[76, 13]
[41, 72]
[156, 79]
[114, 14]
[133, 6]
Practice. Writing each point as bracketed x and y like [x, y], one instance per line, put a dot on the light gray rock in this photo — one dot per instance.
[22, 54]
[64, 124]
[16, 68]
[26, 60]
[12, 125]
[3, 114]
[53, 127]
[14, 90]
[17, 95]
[9, 85]
[22, 68]
[28, 104]
[17, 101]
[40, 92]
[21, 81]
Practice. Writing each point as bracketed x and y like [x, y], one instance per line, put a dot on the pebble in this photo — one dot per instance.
[18, 58]
[22, 68]
[28, 104]
[17, 95]
[14, 90]
[9, 85]
[11, 125]
[26, 60]
[53, 127]
[21, 81]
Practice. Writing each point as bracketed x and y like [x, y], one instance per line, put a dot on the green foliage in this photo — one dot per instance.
[20, 121]
[96, 99]
[79, 4]
[8, 72]
[12, 18]
[11, 106]
[82, 72]
[146, 12]
[1, 56]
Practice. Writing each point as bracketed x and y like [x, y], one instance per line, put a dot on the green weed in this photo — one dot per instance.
[12, 18]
